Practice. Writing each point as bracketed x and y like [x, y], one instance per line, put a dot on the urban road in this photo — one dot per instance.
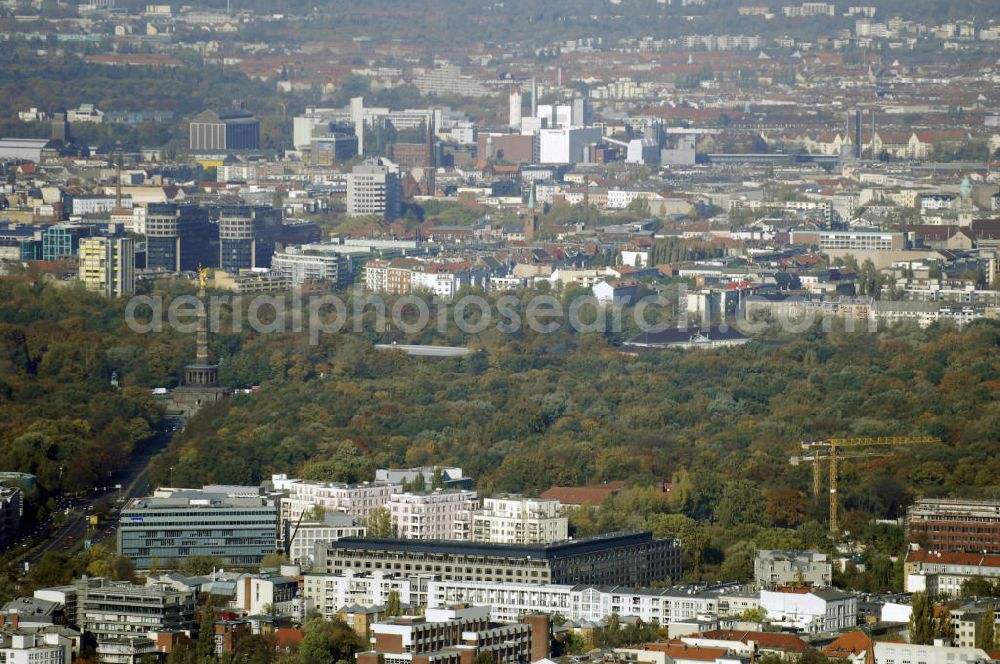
[130, 482]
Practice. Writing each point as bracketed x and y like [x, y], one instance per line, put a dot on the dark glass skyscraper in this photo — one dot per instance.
[247, 236]
[179, 238]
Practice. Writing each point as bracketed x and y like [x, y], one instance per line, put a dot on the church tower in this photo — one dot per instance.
[531, 218]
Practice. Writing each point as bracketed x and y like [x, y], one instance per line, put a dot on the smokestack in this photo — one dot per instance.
[857, 133]
[534, 97]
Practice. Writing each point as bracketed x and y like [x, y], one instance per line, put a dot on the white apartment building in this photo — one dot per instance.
[257, 594]
[508, 601]
[901, 653]
[782, 568]
[357, 500]
[36, 649]
[85, 204]
[307, 534]
[867, 240]
[619, 199]
[437, 515]
[436, 279]
[519, 520]
[299, 267]
[448, 79]
[811, 611]
[944, 572]
[328, 592]
[373, 188]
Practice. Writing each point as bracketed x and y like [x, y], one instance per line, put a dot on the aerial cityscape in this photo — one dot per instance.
[590, 332]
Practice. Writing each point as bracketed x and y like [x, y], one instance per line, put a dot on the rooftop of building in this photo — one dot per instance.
[552, 551]
[577, 495]
[767, 640]
[679, 650]
[930, 556]
[195, 499]
[791, 554]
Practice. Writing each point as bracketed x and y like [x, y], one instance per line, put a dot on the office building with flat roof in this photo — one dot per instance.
[247, 236]
[179, 238]
[211, 132]
[119, 610]
[178, 523]
[299, 266]
[459, 635]
[634, 559]
[955, 525]
[373, 188]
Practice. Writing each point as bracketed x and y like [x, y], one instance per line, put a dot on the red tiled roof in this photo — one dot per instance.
[684, 651]
[766, 640]
[848, 645]
[288, 637]
[953, 558]
[578, 495]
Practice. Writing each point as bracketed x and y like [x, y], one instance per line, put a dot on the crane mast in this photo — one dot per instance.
[834, 449]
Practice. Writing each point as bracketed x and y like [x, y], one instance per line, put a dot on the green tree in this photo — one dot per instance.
[327, 641]
[379, 523]
[206, 632]
[681, 491]
[980, 586]
[943, 627]
[199, 565]
[986, 629]
[484, 657]
[274, 560]
[921, 619]
[738, 563]
[741, 503]
[183, 652]
[392, 604]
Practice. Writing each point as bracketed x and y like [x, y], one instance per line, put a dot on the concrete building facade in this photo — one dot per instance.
[519, 520]
[634, 559]
[373, 188]
[955, 525]
[175, 524]
[107, 265]
[436, 515]
[773, 568]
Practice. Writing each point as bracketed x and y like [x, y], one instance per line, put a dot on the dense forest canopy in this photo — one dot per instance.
[528, 411]
[60, 417]
[524, 412]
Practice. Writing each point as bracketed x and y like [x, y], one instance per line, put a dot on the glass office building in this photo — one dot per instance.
[168, 527]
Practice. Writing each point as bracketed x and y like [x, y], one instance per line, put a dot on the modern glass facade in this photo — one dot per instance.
[179, 238]
[239, 531]
[62, 240]
[247, 237]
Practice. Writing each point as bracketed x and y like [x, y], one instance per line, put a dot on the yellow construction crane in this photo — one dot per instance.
[832, 450]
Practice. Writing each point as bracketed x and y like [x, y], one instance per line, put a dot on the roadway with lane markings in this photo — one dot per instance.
[133, 480]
